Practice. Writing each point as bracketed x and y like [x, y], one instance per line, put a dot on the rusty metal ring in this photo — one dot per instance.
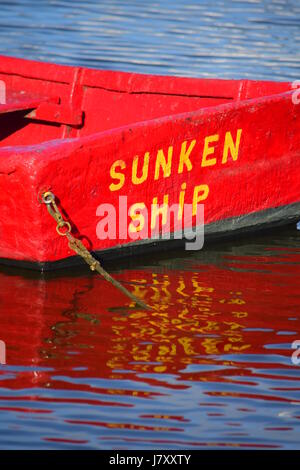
[62, 224]
[48, 197]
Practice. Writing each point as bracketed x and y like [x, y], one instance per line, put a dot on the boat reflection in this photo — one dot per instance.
[206, 314]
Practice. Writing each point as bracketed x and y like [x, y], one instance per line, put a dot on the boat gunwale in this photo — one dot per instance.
[163, 120]
[39, 70]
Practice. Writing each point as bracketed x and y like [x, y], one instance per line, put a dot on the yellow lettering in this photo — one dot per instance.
[209, 150]
[116, 175]
[141, 179]
[156, 210]
[181, 200]
[229, 145]
[139, 206]
[185, 156]
[200, 194]
[161, 162]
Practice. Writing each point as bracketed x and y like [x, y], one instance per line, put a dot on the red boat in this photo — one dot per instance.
[92, 136]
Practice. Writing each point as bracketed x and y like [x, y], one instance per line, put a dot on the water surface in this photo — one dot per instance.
[258, 39]
[211, 366]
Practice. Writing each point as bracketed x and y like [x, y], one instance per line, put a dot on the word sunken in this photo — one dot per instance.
[162, 163]
[190, 156]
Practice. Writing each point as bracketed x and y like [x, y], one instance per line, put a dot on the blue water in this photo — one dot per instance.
[212, 366]
[234, 39]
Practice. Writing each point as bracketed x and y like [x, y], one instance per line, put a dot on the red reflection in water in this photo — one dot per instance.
[82, 322]
[66, 441]
[210, 323]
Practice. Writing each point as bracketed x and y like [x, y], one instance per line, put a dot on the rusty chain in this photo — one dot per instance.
[64, 228]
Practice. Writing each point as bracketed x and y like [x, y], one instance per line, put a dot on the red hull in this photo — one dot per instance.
[92, 136]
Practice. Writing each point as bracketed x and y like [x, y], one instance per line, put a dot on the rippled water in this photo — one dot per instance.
[211, 366]
[251, 38]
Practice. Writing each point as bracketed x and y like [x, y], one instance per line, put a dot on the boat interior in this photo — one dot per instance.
[40, 102]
